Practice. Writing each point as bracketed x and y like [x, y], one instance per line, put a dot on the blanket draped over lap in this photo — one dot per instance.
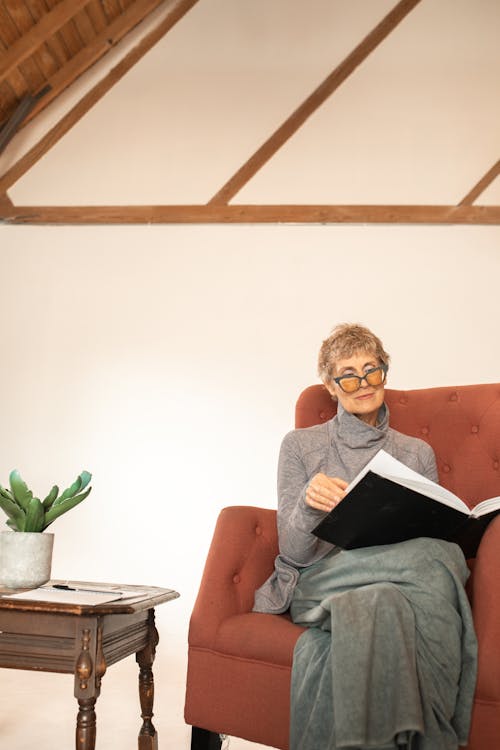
[390, 651]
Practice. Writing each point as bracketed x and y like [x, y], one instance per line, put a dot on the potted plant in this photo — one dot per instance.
[26, 557]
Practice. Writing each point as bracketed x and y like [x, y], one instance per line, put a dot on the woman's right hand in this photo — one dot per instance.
[324, 493]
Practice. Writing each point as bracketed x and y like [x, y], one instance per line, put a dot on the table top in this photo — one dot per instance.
[134, 599]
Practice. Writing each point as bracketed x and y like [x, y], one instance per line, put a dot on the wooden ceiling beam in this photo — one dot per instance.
[178, 10]
[481, 186]
[101, 44]
[6, 205]
[314, 101]
[49, 24]
[249, 214]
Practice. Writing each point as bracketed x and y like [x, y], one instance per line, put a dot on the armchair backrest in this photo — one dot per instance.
[461, 423]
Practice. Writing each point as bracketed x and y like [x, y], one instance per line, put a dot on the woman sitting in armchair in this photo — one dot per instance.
[389, 657]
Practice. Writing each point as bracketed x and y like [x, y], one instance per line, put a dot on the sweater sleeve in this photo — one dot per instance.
[296, 519]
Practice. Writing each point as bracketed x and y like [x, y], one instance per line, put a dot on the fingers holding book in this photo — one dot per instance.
[324, 493]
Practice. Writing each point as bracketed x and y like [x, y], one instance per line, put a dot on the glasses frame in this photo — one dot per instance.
[360, 378]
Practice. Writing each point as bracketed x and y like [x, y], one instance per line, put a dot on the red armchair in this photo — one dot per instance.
[239, 664]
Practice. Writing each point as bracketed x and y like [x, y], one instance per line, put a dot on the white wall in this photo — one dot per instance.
[167, 360]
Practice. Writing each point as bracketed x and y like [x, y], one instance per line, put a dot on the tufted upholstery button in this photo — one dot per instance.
[322, 415]
[474, 428]
[495, 464]
[236, 578]
[454, 397]
[425, 430]
[403, 400]
[446, 468]
[258, 531]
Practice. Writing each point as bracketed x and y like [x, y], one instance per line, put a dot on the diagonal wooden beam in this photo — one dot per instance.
[6, 206]
[38, 34]
[249, 214]
[481, 186]
[103, 42]
[13, 174]
[314, 101]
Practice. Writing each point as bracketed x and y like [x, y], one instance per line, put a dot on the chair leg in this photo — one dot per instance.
[202, 739]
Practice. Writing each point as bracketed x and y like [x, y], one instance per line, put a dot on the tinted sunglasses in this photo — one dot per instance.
[351, 383]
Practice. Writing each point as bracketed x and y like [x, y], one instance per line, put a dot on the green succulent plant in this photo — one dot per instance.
[27, 513]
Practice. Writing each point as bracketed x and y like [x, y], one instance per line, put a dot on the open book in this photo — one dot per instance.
[387, 502]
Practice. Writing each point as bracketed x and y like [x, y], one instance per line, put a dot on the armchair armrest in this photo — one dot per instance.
[240, 559]
[486, 612]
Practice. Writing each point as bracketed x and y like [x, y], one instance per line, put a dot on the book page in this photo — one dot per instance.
[390, 468]
[486, 506]
[386, 465]
[434, 491]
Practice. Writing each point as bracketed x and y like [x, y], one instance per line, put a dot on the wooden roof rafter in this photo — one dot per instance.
[485, 181]
[6, 204]
[314, 101]
[218, 209]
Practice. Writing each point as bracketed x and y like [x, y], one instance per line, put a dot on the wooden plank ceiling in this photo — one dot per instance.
[45, 45]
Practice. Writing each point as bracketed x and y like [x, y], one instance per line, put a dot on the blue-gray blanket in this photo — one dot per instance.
[390, 653]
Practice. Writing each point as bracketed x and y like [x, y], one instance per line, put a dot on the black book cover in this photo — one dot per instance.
[380, 511]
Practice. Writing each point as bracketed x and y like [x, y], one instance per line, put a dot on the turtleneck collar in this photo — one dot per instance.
[354, 433]
[353, 442]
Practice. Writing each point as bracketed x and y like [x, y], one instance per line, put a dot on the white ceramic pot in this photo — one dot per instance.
[25, 558]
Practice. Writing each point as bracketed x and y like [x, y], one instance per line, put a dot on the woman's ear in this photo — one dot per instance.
[331, 390]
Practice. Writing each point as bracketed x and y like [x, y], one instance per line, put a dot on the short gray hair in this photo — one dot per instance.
[345, 340]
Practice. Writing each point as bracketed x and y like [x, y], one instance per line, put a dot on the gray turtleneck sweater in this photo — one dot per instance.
[338, 448]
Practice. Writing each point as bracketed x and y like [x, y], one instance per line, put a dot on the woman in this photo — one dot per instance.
[388, 659]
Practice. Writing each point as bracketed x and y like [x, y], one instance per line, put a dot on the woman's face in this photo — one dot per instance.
[367, 400]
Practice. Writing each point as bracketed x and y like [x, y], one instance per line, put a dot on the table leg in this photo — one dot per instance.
[148, 736]
[86, 724]
[89, 669]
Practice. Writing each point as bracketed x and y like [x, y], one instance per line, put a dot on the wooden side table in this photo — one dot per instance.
[85, 640]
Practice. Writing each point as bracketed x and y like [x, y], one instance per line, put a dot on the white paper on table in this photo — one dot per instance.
[86, 596]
